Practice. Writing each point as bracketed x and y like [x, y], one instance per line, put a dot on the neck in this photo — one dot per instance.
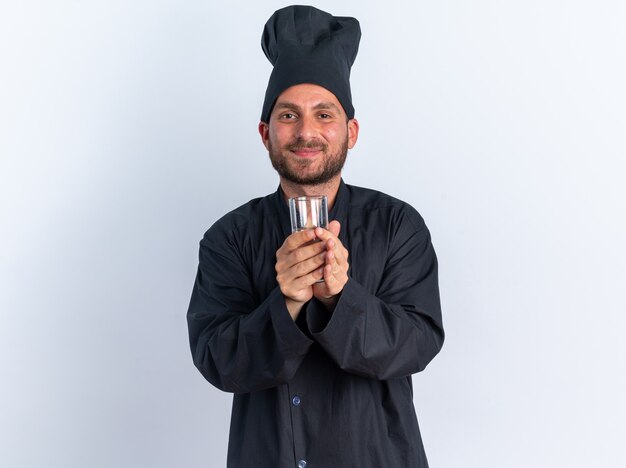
[329, 189]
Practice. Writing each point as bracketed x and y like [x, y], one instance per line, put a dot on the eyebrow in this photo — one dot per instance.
[295, 107]
[326, 105]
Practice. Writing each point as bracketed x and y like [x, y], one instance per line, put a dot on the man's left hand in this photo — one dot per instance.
[335, 268]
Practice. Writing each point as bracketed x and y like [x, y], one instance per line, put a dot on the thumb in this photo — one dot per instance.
[334, 227]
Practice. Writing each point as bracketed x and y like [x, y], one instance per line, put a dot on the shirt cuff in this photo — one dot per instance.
[317, 316]
[325, 326]
[290, 338]
[321, 322]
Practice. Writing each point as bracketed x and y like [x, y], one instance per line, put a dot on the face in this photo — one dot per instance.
[308, 135]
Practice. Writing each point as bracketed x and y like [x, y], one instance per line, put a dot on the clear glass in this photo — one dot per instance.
[308, 212]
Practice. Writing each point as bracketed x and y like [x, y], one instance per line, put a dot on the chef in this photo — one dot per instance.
[320, 371]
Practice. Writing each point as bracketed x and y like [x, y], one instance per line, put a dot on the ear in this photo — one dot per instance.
[264, 131]
[353, 132]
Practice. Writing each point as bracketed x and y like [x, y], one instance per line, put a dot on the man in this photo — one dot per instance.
[320, 371]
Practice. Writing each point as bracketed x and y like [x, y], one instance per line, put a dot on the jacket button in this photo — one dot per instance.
[302, 464]
[296, 402]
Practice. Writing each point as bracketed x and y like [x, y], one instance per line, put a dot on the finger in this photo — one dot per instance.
[289, 259]
[324, 234]
[328, 275]
[301, 276]
[334, 226]
[336, 267]
[330, 257]
[299, 238]
[339, 253]
[293, 242]
[324, 289]
[307, 266]
[330, 281]
[297, 288]
[332, 260]
[332, 242]
[308, 251]
[335, 277]
[309, 279]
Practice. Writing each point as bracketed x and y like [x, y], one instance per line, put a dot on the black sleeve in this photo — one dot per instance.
[396, 331]
[237, 345]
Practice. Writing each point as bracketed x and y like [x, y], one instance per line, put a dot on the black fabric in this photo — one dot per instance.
[307, 45]
[350, 370]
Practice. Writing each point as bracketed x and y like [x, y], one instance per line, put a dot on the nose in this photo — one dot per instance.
[307, 128]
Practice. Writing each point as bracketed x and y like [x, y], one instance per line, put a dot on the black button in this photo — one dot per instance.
[296, 402]
[302, 464]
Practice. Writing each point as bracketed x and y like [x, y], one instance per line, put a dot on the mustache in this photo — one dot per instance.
[300, 144]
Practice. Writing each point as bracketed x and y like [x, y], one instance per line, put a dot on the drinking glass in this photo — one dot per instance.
[309, 213]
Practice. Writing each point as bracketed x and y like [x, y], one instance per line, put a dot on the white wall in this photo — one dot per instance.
[127, 128]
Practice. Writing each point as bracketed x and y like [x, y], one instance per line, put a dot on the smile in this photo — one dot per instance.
[306, 152]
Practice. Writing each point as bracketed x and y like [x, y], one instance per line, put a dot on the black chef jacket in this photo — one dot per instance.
[332, 390]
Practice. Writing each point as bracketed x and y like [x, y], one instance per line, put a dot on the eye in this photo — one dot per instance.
[287, 116]
[323, 115]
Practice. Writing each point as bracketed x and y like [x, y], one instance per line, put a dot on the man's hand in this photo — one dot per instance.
[335, 267]
[299, 264]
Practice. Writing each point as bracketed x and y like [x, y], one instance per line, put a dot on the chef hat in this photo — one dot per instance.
[307, 45]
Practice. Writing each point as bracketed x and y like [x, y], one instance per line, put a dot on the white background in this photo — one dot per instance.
[128, 127]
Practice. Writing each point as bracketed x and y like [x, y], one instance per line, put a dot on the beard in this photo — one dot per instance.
[295, 171]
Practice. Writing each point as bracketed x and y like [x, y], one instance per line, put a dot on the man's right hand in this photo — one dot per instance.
[299, 264]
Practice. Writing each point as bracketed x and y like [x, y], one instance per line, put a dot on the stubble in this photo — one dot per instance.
[295, 170]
